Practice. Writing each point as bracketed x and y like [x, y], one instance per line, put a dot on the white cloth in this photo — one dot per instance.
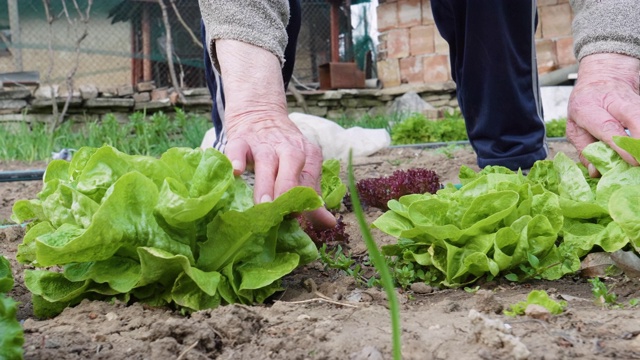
[334, 140]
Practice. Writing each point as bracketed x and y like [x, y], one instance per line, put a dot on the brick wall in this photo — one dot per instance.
[411, 50]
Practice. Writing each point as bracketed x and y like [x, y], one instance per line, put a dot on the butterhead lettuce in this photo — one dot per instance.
[11, 333]
[500, 222]
[180, 230]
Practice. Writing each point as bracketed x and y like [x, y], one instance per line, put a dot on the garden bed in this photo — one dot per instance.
[324, 314]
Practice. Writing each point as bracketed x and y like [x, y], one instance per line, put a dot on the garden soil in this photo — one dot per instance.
[324, 314]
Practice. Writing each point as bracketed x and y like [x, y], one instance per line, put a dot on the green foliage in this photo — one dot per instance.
[368, 122]
[380, 264]
[556, 128]
[537, 297]
[417, 129]
[602, 294]
[141, 135]
[177, 230]
[337, 259]
[12, 336]
[501, 223]
[333, 189]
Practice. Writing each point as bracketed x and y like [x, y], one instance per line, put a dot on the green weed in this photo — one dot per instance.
[603, 295]
[139, 134]
[417, 129]
[337, 259]
[556, 128]
[380, 264]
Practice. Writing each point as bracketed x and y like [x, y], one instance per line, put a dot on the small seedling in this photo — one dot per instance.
[537, 297]
[337, 259]
[472, 290]
[602, 294]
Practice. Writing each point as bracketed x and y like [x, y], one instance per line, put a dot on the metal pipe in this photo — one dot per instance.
[335, 29]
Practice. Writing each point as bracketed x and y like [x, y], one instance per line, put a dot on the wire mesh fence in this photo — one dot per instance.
[116, 42]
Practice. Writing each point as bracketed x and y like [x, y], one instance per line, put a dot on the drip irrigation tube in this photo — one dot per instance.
[21, 175]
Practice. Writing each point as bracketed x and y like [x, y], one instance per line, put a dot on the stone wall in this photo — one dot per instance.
[89, 102]
[412, 51]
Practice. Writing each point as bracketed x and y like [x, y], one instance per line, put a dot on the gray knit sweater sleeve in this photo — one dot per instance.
[606, 26]
[257, 22]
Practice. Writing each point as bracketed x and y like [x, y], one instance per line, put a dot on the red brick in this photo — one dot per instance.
[421, 40]
[398, 43]
[441, 45]
[564, 51]
[436, 68]
[411, 70]
[389, 72]
[546, 55]
[387, 14]
[427, 14]
[409, 13]
[556, 20]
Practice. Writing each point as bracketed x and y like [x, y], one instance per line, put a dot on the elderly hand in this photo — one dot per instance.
[604, 102]
[259, 133]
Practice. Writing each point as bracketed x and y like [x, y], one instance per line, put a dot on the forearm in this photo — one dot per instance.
[252, 76]
[606, 26]
[260, 23]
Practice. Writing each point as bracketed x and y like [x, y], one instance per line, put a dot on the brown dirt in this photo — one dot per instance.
[437, 324]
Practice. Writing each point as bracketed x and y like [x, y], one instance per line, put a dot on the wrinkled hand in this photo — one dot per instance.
[259, 133]
[604, 102]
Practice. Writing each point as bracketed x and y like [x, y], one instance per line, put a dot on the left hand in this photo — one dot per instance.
[604, 102]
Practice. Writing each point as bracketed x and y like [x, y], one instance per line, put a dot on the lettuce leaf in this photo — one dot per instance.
[12, 337]
[333, 189]
[500, 222]
[179, 230]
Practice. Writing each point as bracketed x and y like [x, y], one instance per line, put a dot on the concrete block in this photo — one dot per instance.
[146, 86]
[564, 51]
[398, 43]
[546, 55]
[427, 14]
[436, 68]
[556, 20]
[387, 15]
[409, 13]
[411, 70]
[441, 45]
[125, 90]
[142, 97]
[88, 92]
[389, 72]
[421, 40]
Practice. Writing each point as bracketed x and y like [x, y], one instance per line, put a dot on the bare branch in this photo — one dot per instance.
[50, 20]
[184, 24]
[83, 19]
[169, 48]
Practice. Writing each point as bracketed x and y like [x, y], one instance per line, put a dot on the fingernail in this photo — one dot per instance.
[236, 164]
[265, 198]
[592, 170]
